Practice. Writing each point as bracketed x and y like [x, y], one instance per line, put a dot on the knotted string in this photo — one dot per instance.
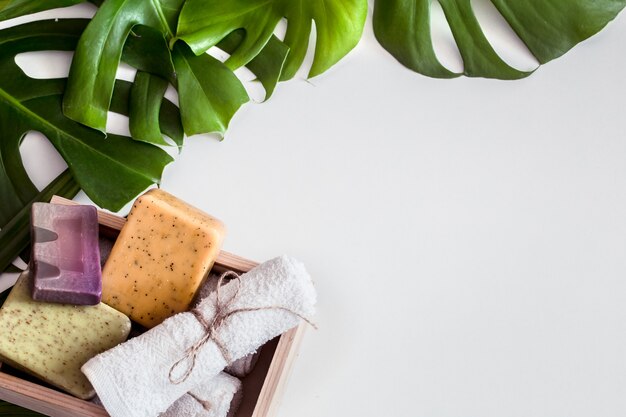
[211, 327]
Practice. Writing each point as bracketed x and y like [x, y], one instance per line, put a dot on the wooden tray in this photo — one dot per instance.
[262, 388]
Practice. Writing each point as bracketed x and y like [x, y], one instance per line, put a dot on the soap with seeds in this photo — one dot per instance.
[52, 341]
[65, 260]
[163, 254]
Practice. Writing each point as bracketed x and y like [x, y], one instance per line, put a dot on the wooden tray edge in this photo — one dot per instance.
[45, 400]
[278, 373]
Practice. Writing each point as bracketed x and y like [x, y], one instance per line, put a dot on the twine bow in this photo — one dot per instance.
[222, 313]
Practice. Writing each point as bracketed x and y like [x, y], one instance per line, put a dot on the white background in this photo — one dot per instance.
[467, 237]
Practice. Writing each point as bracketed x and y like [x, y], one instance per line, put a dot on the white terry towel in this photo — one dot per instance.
[243, 366]
[219, 397]
[136, 378]
[207, 288]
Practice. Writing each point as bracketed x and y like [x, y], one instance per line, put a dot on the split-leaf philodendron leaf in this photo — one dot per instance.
[16, 8]
[209, 93]
[147, 93]
[339, 25]
[549, 28]
[99, 51]
[267, 65]
[111, 171]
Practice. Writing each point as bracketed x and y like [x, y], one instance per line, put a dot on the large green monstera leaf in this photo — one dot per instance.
[339, 25]
[210, 93]
[16, 8]
[549, 28]
[98, 54]
[111, 171]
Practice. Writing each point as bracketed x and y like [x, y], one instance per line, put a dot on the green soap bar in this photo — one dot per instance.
[52, 341]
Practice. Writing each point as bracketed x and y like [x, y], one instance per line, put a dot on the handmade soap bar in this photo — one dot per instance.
[52, 341]
[162, 255]
[65, 261]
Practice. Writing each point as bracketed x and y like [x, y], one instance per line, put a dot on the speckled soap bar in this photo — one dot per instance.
[53, 341]
[162, 255]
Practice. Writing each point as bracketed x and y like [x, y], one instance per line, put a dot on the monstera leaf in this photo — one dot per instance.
[97, 56]
[16, 8]
[339, 25]
[549, 28]
[10, 410]
[110, 171]
[209, 93]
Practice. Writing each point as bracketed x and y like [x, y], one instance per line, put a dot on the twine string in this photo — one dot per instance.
[210, 327]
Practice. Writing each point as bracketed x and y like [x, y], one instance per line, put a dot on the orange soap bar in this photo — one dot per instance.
[161, 257]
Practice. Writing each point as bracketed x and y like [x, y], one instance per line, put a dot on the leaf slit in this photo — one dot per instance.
[503, 39]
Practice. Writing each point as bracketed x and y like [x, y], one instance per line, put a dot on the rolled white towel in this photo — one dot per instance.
[218, 397]
[243, 366]
[207, 288]
[144, 376]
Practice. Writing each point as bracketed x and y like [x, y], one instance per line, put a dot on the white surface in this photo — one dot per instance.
[467, 237]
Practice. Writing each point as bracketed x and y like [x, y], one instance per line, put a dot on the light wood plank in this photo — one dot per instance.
[45, 400]
[277, 376]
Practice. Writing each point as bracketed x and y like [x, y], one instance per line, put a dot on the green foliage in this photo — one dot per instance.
[14, 236]
[166, 41]
[146, 94]
[10, 410]
[209, 93]
[16, 8]
[339, 25]
[137, 33]
[99, 51]
[26, 104]
[113, 171]
[549, 28]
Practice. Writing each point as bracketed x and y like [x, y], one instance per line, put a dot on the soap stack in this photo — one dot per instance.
[53, 321]
[66, 309]
[66, 320]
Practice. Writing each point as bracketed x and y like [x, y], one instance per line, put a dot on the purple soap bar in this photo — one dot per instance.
[65, 260]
